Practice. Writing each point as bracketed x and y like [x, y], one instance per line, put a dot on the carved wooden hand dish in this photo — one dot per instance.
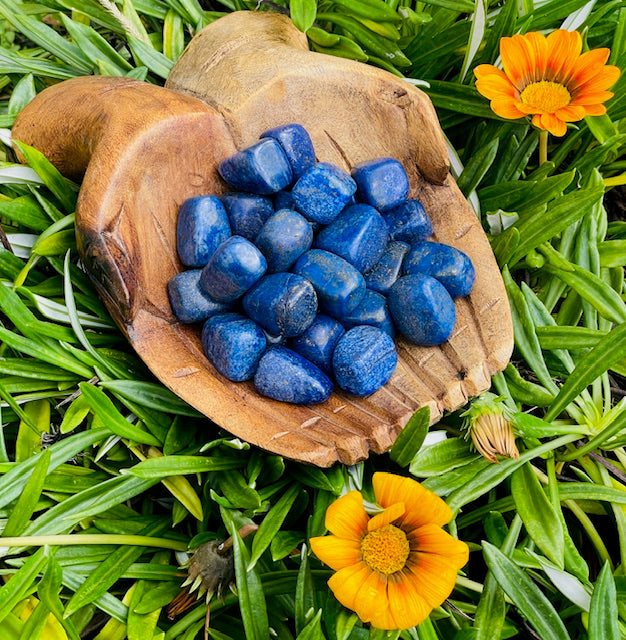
[141, 150]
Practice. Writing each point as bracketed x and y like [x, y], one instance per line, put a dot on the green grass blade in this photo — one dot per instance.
[526, 596]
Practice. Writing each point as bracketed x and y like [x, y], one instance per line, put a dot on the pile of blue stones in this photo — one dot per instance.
[304, 273]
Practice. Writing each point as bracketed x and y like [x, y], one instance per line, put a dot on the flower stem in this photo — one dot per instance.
[543, 147]
[103, 538]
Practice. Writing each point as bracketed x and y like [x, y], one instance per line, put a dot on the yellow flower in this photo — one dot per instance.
[394, 568]
[548, 78]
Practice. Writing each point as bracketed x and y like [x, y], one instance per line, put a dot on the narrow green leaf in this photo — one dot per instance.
[151, 395]
[21, 582]
[48, 591]
[493, 475]
[27, 502]
[526, 339]
[165, 466]
[104, 408]
[540, 519]
[109, 571]
[272, 523]
[477, 166]
[305, 596]
[63, 189]
[442, 457]
[526, 596]
[249, 587]
[146, 55]
[591, 366]
[410, 439]
[303, 13]
[603, 615]
[12, 483]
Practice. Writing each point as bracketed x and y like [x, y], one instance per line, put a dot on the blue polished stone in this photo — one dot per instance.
[284, 238]
[358, 234]
[318, 342]
[322, 192]
[388, 269]
[382, 183]
[234, 267]
[284, 304]
[201, 227]
[422, 309]
[262, 168]
[247, 213]
[283, 200]
[297, 145]
[364, 360]
[234, 345]
[188, 302]
[451, 267]
[339, 286]
[372, 310]
[284, 375]
[409, 222]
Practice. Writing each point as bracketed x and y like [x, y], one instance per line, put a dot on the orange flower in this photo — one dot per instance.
[393, 568]
[548, 78]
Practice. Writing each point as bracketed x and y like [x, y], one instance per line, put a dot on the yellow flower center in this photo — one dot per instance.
[546, 96]
[385, 549]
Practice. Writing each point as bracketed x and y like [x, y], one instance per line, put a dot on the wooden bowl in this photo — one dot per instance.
[141, 150]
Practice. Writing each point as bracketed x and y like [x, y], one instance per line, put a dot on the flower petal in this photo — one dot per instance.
[600, 82]
[585, 99]
[506, 108]
[346, 516]
[434, 540]
[552, 124]
[407, 607]
[390, 514]
[432, 577]
[539, 45]
[587, 66]
[346, 583]
[492, 84]
[595, 109]
[571, 113]
[371, 599]
[336, 552]
[518, 60]
[422, 505]
[564, 47]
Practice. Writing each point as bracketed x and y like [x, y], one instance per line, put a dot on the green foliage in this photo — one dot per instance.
[112, 472]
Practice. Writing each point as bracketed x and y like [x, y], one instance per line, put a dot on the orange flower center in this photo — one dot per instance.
[545, 96]
[385, 549]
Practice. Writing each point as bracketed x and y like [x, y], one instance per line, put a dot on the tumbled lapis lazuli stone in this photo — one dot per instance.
[318, 342]
[234, 267]
[382, 182]
[188, 302]
[284, 304]
[262, 168]
[322, 192]
[339, 286]
[371, 310]
[234, 345]
[388, 269]
[422, 309]
[201, 227]
[409, 222]
[364, 360]
[284, 238]
[358, 234]
[451, 267]
[284, 375]
[297, 145]
[247, 213]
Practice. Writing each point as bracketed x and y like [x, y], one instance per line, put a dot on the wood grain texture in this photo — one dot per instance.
[144, 149]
